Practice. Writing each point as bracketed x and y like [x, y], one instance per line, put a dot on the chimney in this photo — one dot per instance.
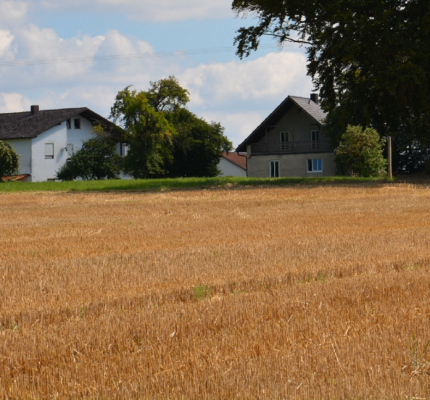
[34, 110]
[314, 98]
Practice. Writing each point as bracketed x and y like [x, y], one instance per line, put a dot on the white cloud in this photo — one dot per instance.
[12, 11]
[145, 10]
[13, 102]
[237, 126]
[5, 41]
[271, 76]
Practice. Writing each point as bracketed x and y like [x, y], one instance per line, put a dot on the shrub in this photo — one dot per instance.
[9, 160]
[97, 159]
[360, 153]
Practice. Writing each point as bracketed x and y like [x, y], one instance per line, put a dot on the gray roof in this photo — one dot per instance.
[23, 125]
[305, 103]
[312, 108]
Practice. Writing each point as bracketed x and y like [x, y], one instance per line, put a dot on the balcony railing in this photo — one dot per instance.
[291, 147]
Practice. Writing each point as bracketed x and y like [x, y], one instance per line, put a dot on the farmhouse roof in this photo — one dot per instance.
[306, 104]
[235, 158]
[28, 124]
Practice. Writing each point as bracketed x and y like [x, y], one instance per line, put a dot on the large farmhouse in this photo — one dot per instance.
[290, 142]
[45, 139]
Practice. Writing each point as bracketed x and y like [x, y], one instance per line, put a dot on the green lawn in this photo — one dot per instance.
[159, 184]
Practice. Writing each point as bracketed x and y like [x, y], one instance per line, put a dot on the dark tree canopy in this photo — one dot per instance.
[370, 60]
[197, 146]
[9, 160]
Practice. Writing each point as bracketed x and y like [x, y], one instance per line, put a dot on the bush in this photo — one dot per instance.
[97, 159]
[9, 160]
[360, 153]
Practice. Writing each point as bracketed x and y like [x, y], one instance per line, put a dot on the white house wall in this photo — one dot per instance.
[23, 148]
[76, 136]
[44, 169]
[228, 168]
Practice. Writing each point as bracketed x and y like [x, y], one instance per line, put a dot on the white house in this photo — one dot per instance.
[232, 164]
[45, 139]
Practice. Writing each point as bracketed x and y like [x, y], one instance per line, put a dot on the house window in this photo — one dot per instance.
[123, 150]
[285, 140]
[315, 139]
[315, 165]
[69, 124]
[49, 150]
[70, 149]
[274, 169]
[77, 123]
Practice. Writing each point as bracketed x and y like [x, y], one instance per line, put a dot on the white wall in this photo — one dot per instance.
[228, 168]
[76, 136]
[23, 148]
[44, 169]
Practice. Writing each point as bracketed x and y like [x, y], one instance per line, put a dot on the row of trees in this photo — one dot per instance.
[163, 138]
[370, 61]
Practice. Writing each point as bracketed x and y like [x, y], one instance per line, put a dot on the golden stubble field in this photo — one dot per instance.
[292, 292]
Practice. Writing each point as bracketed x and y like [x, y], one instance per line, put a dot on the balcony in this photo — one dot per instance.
[291, 147]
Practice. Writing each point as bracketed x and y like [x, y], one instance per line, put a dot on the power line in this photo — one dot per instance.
[113, 57]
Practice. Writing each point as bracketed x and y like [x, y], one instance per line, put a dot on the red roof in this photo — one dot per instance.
[15, 177]
[235, 158]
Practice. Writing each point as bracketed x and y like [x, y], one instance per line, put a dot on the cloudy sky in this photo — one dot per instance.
[73, 53]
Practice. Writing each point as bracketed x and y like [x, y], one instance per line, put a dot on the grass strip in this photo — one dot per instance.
[170, 183]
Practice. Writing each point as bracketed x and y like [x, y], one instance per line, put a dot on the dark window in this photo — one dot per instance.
[315, 165]
[274, 169]
[69, 124]
[77, 123]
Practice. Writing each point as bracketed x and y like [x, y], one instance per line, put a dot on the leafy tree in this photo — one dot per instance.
[164, 138]
[97, 159]
[360, 153]
[148, 133]
[370, 60]
[197, 146]
[167, 95]
[9, 160]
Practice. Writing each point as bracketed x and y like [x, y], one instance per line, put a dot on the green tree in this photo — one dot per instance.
[96, 159]
[197, 146]
[148, 133]
[360, 153]
[167, 95]
[370, 60]
[9, 160]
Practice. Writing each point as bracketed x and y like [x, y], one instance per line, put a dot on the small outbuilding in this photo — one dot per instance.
[232, 164]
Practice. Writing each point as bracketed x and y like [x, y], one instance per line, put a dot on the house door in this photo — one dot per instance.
[285, 141]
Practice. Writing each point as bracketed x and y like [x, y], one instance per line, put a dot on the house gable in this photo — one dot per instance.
[310, 111]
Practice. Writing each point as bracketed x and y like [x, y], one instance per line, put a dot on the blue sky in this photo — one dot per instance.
[237, 93]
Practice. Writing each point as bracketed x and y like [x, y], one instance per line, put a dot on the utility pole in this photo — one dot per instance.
[390, 158]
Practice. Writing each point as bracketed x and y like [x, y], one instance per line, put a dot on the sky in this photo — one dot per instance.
[76, 53]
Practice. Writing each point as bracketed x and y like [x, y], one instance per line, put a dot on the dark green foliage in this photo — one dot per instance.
[197, 146]
[360, 153]
[9, 160]
[97, 159]
[369, 59]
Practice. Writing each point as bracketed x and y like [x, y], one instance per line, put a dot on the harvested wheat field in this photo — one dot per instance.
[289, 292]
